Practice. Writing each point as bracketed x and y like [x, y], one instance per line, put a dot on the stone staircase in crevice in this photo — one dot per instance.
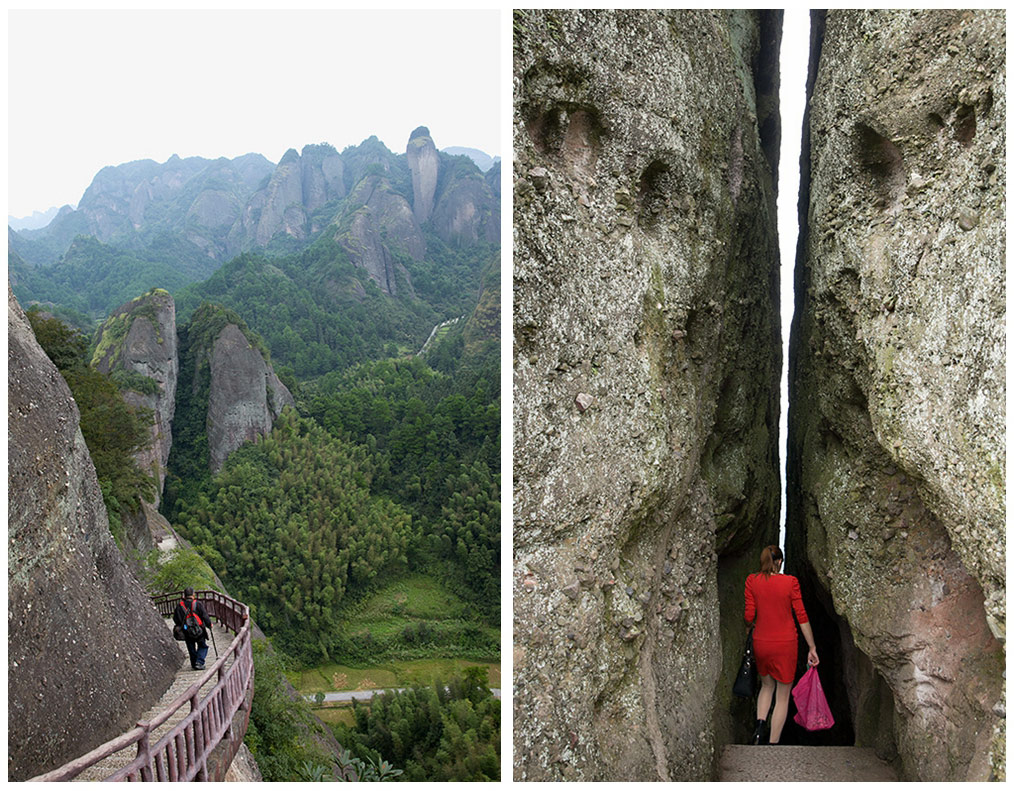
[185, 677]
[793, 763]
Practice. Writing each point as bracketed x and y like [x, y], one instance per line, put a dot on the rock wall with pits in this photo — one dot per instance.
[646, 360]
[897, 459]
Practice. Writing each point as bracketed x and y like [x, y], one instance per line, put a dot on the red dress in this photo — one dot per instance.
[772, 599]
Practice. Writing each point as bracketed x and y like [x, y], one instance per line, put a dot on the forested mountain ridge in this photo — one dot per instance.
[143, 225]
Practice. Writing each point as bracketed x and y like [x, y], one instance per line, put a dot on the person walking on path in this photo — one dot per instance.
[771, 599]
[197, 643]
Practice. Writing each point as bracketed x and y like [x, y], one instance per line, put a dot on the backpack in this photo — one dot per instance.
[193, 627]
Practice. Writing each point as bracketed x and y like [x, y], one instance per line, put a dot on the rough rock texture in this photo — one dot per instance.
[424, 163]
[75, 675]
[897, 458]
[646, 363]
[243, 768]
[140, 338]
[245, 396]
[375, 223]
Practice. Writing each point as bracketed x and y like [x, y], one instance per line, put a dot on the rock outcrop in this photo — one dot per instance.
[300, 184]
[646, 359]
[452, 193]
[228, 366]
[467, 210]
[77, 675]
[202, 198]
[897, 458]
[137, 345]
[424, 163]
[245, 397]
[377, 222]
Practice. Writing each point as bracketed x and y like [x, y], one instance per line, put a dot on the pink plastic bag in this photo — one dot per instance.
[813, 712]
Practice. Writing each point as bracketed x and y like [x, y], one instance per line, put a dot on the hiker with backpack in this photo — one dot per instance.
[193, 622]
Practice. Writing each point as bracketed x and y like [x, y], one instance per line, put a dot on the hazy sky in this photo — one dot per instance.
[88, 89]
[792, 100]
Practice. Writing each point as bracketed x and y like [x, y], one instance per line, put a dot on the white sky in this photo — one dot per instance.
[795, 53]
[88, 89]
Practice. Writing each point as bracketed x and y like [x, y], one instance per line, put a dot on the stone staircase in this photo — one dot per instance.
[185, 677]
[791, 763]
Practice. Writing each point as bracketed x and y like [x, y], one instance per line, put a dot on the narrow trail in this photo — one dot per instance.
[792, 763]
[185, 677]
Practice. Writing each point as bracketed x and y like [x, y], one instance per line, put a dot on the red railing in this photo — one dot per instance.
[183, 752]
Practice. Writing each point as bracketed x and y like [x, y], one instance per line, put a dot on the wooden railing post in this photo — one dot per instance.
[144, 752]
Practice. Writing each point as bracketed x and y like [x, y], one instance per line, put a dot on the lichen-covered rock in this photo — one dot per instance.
[87, 653]
[424, 164]
[646, 363]
[245, 396]
[137, 345]
[897, 457]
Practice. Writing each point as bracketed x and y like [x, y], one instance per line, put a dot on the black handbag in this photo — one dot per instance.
[178, 632]
[746, 678]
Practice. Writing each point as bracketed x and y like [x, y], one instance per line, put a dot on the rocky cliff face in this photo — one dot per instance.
[245, 396]
[897, 459]
[300, 185]
[467, 211]
[424, 163]
[87, 653]
[139, 341]
[203, 198]
[375, 223]
[451, 192]
[646, 364]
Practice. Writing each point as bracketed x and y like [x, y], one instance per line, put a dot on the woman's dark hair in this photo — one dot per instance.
[769, 555]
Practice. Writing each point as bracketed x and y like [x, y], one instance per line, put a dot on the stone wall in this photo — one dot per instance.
[646, 359]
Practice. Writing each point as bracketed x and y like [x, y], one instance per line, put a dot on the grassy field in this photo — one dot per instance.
[334, 678]
[407, 601]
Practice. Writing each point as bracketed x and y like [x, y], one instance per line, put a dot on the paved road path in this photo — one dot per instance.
[793, 763]
[365, 694]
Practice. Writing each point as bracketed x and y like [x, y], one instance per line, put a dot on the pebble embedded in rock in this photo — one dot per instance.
[967, 219]
[584, 400]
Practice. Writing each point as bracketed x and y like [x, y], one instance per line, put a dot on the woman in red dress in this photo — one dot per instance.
[771, 598]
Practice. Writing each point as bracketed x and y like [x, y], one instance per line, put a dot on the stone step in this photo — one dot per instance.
[793, 763]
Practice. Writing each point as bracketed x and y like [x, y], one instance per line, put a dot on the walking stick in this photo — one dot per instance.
[212, 633]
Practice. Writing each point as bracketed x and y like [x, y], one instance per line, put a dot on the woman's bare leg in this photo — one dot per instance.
[781, 711]
[764, 697]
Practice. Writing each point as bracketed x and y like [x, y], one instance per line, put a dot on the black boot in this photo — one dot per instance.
[758, 733]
